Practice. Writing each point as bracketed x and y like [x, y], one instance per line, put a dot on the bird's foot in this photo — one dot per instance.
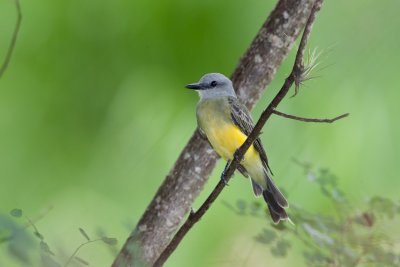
[223, 179]
[223, 175]
[236, 156]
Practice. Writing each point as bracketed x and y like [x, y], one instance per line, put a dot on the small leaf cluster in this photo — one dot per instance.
[20, 243]
[344, 236]
[46, 253]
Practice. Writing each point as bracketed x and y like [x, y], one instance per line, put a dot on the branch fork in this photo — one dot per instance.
[319, 120]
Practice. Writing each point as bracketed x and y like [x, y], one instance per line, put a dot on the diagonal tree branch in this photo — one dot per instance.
[297, 70]
[13, 39]
[297, 118]
[187, 177]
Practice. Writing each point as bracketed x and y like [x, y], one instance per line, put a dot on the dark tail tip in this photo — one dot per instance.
[276, 211]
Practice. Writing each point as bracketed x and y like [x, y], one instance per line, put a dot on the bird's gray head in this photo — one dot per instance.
[213, 85]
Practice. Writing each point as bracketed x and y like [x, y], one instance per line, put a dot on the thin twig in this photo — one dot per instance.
[13, 39]
[31, 223]
[38, 217]
[77, 250]
[294, 75]
[297, 118]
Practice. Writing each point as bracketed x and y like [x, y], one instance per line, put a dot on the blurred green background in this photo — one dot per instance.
[93, 114]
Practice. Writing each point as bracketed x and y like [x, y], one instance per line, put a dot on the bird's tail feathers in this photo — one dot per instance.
[276, 201]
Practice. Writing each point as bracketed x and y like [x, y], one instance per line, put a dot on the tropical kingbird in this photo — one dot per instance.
[226, 123]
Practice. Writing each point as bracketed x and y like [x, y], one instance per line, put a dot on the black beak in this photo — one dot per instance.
[195, 86]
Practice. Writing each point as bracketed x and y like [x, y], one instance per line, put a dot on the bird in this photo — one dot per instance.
[225, 123]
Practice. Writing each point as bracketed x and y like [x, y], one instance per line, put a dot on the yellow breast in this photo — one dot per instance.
[225, 137]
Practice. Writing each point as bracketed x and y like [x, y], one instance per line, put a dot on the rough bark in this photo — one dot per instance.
[186, 179]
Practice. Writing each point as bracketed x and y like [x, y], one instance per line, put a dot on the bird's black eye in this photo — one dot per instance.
[213, 83]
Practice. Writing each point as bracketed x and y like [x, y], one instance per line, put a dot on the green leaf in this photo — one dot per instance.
[84, 234]
[38, 235]
[326, 178]
[266, 237]
[316, 258]
[16, 213]
[109, 240]
[281, 248]
[45, 248]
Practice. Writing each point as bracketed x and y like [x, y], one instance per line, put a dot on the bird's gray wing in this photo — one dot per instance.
[242, 118]
[202, 134]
